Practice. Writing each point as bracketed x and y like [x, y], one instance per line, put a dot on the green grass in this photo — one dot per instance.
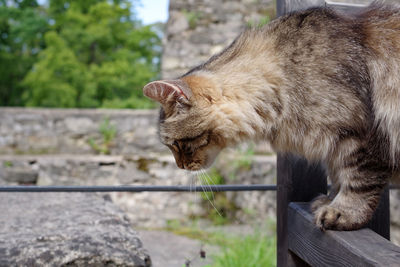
[251, 251]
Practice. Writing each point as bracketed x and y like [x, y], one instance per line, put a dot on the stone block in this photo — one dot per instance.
[66, 229]
[20, 176]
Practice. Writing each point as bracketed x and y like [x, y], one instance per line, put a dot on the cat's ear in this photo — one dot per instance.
[168, 91]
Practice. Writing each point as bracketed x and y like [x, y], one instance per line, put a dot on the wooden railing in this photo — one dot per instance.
[300, 242]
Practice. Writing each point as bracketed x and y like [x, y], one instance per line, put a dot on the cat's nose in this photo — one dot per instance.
[178, 160]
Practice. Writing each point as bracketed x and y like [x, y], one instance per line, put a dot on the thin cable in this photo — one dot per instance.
[129, 188]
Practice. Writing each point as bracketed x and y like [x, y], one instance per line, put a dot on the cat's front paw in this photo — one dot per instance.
[332, 217]
[319, 201]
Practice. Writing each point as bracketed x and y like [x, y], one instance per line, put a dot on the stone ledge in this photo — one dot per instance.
[66, 229]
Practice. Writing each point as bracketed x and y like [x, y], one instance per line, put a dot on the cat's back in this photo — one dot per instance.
[326, 51]
[381, 30]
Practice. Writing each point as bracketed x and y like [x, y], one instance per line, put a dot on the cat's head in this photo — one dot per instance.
[187, 125]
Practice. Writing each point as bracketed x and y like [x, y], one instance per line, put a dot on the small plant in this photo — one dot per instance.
[108, 132]
[246, 158]
[242, 161]
[192, 18]
[7, 164]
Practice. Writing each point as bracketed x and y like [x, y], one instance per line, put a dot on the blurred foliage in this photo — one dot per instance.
[73, 53]
[108, 132]
[192, 18]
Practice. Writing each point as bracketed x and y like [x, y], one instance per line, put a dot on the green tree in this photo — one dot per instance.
[73, 53]
[22, 26]
[118, 52]
[58, 79]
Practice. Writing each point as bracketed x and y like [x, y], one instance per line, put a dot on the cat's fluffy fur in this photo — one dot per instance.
[315, 83]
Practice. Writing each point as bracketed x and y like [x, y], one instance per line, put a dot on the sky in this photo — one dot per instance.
[150, 11]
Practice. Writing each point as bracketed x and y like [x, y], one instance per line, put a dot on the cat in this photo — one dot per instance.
[316, 83]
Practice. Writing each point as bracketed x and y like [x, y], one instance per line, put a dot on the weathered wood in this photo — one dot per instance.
[282, 203]
[337, 248]
[297, 181]
[286, 6]
[344, 7]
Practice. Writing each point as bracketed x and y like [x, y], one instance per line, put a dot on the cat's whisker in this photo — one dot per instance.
[206, 177]
[202, 178]
[195, 193]
[192, 184]
[194, 181]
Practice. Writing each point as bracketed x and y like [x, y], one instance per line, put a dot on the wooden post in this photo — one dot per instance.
[297, 182]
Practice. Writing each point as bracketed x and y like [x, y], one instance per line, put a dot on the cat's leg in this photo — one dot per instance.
[362, 179]
[323, 200]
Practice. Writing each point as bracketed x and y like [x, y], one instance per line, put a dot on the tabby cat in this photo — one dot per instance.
[316, 83]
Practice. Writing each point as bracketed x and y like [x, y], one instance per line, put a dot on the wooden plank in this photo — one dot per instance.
[337, 248]
[295, 5]
[345, 7]
[286, 6]
[297, 181]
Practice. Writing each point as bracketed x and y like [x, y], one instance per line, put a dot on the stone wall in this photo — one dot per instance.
[197, 29]
[74, 131]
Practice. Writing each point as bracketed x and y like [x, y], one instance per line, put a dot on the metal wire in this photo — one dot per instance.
[129, 188]
[145, 188]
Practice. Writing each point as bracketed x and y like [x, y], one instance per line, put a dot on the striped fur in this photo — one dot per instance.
[315, 83]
